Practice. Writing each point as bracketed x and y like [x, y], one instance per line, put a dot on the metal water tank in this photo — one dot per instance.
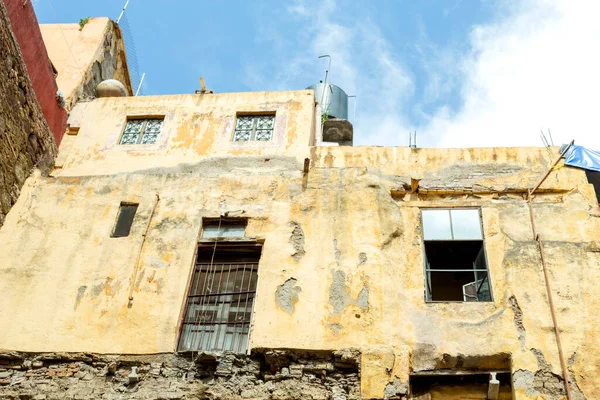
[336, 100]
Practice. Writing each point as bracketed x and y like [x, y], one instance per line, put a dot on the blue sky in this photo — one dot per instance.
[459, 72]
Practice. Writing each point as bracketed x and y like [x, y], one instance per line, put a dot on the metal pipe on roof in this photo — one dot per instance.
[538, 239]
[122, 11]
[325, 85]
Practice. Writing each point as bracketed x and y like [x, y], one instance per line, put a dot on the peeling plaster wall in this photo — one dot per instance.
[196, 135]
[342, 262]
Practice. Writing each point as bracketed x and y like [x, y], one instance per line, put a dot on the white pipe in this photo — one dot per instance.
[140, 85]
[325, 85]
[122, 11]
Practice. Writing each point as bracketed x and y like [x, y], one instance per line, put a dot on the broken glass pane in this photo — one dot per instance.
[483, 286]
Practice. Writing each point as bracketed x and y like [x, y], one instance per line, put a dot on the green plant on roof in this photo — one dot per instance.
[83, 21]
[325, 116]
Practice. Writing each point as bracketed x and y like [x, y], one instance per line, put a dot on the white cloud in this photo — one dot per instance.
[536, 68]
[363, 64]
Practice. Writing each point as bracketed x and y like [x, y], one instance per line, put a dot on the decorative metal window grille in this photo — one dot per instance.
[141, 131]
[254, 127]
[455, 262]
[219, 305]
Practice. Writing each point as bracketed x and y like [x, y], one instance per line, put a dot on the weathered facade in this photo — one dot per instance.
[25, 138]
[343, 307]
[86, 55]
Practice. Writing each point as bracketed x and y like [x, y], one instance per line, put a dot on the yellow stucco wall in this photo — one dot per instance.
[64, 282]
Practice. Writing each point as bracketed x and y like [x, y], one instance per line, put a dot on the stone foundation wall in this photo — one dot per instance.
[266, 374]
[25, 138]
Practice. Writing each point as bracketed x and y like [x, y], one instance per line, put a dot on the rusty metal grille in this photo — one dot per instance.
[219, 305]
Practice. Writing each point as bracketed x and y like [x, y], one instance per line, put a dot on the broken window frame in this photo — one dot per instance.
[143, 132]
[426, 266]
[252, 133]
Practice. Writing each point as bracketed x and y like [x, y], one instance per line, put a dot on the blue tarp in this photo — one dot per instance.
[581, 157]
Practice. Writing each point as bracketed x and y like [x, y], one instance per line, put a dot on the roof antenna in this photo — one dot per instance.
[203, 89]
[137, 92]
[122, 11]
[325, 84]
[544, 140]
[412, 139]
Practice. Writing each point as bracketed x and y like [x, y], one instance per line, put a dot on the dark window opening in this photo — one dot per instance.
[458, 387]
[455, 263]
[219, 304]
[124, 220]
[594, 179]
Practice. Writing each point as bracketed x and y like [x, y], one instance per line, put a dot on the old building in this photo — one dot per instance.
[202, 246]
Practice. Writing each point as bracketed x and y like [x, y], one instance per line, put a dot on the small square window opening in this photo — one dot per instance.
[124, 220]
[455, 262]
[141, 131]
[254, 128]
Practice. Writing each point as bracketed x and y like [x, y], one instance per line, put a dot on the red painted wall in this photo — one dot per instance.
[27, 31]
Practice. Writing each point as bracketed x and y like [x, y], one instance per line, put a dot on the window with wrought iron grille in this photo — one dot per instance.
[219, 305]
[254, 128]
[455, 262]
[141, 131]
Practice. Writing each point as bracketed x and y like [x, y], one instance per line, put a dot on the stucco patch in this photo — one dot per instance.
[80, 293]
[518, 316]
[339, 294]
[336, 328]
[336, 251]
[297, 241]
[286, 295]
[362, 258]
